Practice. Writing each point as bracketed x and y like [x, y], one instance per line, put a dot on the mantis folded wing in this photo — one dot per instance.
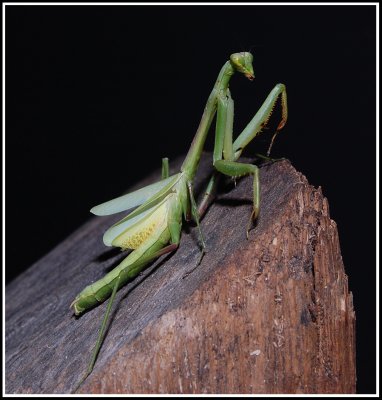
[154, 227]
[130, 200]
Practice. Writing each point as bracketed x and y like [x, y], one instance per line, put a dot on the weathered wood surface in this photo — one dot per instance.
[272, 314]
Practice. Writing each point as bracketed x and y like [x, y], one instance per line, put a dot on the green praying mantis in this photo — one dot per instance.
[153, 228]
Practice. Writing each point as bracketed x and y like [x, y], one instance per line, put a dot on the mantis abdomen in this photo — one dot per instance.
[130, 267]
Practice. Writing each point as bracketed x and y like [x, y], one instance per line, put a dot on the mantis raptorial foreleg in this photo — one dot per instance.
[226, 153]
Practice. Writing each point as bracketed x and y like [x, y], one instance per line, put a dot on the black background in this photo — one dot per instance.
[97, 95]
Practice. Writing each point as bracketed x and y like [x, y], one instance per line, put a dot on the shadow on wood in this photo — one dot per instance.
[271, 314]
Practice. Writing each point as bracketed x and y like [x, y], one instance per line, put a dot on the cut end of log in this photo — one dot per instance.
[271, 314]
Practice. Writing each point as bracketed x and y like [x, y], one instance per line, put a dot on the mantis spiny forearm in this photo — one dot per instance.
[154, 228]
[231, 152]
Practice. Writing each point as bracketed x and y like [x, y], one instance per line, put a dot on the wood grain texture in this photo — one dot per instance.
[272, 314]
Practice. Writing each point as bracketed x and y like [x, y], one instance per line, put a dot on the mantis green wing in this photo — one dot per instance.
[120, 227]
[141, 212]
[130, 200]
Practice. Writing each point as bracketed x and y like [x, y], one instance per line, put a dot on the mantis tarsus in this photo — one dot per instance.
[154, 228]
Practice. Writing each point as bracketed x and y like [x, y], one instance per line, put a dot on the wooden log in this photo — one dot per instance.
[272, 314]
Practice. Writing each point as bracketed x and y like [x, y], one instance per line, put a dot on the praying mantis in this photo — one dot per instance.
[154, 227]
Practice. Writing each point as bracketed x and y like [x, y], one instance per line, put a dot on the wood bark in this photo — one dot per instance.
[271, 314]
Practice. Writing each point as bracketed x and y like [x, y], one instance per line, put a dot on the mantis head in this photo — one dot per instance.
[242, 62]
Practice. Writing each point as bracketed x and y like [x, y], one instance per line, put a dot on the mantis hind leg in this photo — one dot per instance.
[165, 168]
[101, 335]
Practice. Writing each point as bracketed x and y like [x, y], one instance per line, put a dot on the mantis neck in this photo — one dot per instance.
[191, 162]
